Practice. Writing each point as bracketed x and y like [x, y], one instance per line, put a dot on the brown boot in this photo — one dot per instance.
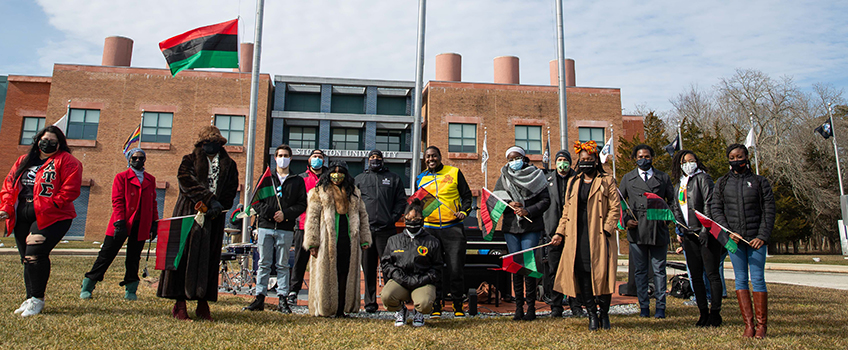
[179, 311]
[761, 309]
[202, 310]
[744, 298]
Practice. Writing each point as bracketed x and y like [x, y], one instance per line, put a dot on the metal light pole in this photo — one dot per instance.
[419, 92]
[563, 111]
[835, 149]
[251, 119]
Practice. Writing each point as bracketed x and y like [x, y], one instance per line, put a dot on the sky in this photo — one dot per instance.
[653, 50]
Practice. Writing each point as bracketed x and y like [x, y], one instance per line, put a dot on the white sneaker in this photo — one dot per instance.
[34, 307]
[23, 307]
[400, 317]
[417, 318]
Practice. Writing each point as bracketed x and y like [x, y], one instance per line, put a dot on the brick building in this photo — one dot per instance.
[24, 114]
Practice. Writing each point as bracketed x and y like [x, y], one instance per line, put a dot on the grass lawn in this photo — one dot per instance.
[800, 318]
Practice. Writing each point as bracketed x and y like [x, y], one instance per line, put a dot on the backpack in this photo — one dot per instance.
[680, 287]
[486, 293]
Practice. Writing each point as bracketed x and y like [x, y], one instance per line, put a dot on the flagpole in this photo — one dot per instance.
[526, 250]
[486, 161]
[835, 149]
[254, 97]
[679, 133]
[563, 110]
[612, 152]
[507, 204]
[419, 91]
[756, 148]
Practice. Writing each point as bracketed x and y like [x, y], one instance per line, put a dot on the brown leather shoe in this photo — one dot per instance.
[202, 310]
[761, 309]
[744, 298]
[179, 311]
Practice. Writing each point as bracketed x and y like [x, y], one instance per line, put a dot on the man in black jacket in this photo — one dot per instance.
[277, 216]
[648, 239]
[384, 198]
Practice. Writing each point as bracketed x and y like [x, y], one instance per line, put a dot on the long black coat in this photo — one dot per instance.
[744, 203]
[197, 276]
[554, 212]
[633, 188]
[698, 192]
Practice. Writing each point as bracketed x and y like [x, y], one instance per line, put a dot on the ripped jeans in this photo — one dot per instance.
[35, 250]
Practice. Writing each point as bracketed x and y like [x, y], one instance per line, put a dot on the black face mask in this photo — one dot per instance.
[375, 164]
[48, 146]
[739, 166]
[137, 164]
[644, 164]
[587, 168]
[413, 225]
[211, 148]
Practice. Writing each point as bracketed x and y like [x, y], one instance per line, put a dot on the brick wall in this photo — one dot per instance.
[26, 96]
[634, 125]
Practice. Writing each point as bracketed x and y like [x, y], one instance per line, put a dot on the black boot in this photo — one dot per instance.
[576, 306]
[284, 306]
[518, 291]
[592, 312]
[604, 302]
[530, 298]
[258, 304]
[519, 309]
[715, 318]
[556, 311]
[703, 321]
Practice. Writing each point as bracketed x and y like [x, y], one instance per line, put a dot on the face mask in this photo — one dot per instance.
[283, 162]
[689, 168]
[211, 148]
[316, 163]
[644, 164]
[562, 166]
[739, 166]
[516, 164]
[375, 164]
[414, 225]
[48, 146]
[137, 164]
[337, 178]
[587, 168]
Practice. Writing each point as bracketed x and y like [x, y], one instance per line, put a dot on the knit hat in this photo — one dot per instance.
[338, 163]
[563, 153]
[210, 133]
[375, 152]
[130, 153]
[515, 149]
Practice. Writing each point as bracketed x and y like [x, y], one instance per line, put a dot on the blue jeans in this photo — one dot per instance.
[649, 257]
[745, 259]
[517, 242]
[268, 240]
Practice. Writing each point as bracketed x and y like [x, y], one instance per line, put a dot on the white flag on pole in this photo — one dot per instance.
[485, 156]
[607, 151]
[62, 123]
[750, 141]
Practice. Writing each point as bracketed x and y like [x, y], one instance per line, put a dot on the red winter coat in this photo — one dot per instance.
[57, 185]
[133, 203]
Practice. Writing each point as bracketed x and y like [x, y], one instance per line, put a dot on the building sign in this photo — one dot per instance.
[344, 153]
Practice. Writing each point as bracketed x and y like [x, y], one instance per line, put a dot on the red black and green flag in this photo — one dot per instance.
[214, 46]
[658, 209]
[264, 189]
[430, 202]
[522, 264]
[720, 234]
[172, 236]
[491, 210]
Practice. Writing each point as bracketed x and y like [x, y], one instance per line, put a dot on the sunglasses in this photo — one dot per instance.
[138, 158]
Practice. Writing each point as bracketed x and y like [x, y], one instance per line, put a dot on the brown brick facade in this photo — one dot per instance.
[27, 96]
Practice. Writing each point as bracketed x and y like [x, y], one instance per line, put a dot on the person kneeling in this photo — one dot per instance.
[411, 261]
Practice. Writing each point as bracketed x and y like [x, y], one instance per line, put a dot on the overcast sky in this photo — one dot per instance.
[651, 49]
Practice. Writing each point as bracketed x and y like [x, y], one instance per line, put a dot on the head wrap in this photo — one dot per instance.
[375, 152]
[588, 146]
[514, 149]
[563, 153]
[338, 163]
[210, 133]
[130, 153]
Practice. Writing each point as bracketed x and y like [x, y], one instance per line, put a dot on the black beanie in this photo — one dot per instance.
[563, 153]
[375, 152]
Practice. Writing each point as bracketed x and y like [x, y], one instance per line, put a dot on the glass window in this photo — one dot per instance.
[392, 140]
[462, 138]
[30, 127]
[232, 128]
[391, 105]
[595, 134]
[303, 102]
[156, 127]
[347, 139]
[529, 138]
[82, 124]
[302, 137]
[344, 103]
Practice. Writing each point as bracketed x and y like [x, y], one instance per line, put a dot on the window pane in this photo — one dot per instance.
[520, 132]
[453, 141]
[236, 138]
[149, 119]
[585, 134]
[455, 130]
[237, 123]
[92, 116]
[469, 131]
[40, 123]
[222, 122]
[166, 120]
[77, 115]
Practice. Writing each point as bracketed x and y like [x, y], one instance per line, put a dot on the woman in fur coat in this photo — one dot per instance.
[336, 231]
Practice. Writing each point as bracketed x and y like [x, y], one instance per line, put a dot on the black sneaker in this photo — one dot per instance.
[284, 306]
[371, 308]
[556, 311]
[258, 304]
[457, 310]
[292, 298]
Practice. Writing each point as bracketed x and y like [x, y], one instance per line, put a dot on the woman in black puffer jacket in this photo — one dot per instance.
[744, 203]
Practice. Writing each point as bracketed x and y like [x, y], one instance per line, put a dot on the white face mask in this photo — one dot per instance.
[689, 168]
[283, 162]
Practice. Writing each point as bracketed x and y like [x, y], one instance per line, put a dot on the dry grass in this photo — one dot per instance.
[801, 318]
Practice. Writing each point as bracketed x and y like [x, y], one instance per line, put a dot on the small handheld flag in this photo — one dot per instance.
[214, 46]
[172, 235]
[657, 208]
[491, 211]
[134, 137]
[720, 234]
[522, 262]
[264, 189]
[430, 202]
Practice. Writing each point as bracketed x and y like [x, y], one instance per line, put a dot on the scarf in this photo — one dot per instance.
[214, 169]
[523, 183]
[683, 195]
[139, 174]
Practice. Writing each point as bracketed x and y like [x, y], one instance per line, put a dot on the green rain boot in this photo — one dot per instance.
[87, 288]
[130, 293]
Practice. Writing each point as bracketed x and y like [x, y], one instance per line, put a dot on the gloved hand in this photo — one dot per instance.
[215, 209]
[154, 227]
[120, 227]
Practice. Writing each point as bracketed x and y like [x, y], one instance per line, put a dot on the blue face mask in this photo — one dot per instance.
[516, 164]
[316, 163]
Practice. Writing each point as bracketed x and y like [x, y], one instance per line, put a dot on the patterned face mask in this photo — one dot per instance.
[337, 178]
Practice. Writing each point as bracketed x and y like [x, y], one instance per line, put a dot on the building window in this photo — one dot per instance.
[393, 140]
[160, 202]
[462, 138]
[529, 138]
[31, 126]
[156, 127]
[77, 229]
[302, 137]
[232, 128]
[82, 124]
[344, 103]
[391, 105]
[594, 134]
[347, 139]
[303, 102]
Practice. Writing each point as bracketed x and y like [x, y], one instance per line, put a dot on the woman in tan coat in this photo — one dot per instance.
[589, 215]
[336, 231]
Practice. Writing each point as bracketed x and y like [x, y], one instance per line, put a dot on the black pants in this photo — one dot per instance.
[301, 259]
[36, 257]
[701, 257]
[111, 247]
[371, 262]
[342, 262]
[554, 254]
[453, 276]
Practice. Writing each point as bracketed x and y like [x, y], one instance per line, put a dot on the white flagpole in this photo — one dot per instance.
[563, 110]
[419, 90]
[485, 158]
[756, 146]
[526, 250]
[612, 153]
[251, 134]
